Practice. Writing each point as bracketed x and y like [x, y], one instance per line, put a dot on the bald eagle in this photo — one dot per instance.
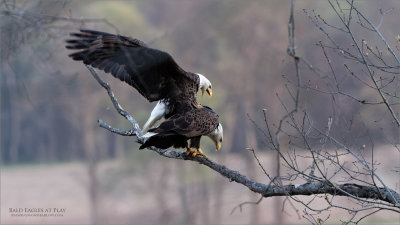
[157, 77]
[152, 72]
[179, 128]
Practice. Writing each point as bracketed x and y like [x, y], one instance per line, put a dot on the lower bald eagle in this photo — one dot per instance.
[157, 77]
[180, 128]
[154, 73]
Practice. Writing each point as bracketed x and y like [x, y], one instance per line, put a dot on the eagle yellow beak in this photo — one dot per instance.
[209, 92]
[218, 146]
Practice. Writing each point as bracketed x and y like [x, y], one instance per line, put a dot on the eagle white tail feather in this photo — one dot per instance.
[158, 112]
[147, 135]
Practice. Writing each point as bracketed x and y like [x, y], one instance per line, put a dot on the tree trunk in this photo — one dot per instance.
[91, 160]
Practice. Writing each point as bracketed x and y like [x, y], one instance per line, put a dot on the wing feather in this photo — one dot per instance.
[154, 73]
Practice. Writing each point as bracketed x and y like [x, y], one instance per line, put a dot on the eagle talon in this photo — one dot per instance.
[194, 152]
[190, 151]
[201, 153]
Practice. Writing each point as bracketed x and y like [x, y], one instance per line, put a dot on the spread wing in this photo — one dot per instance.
[154, 73]
[193, 123]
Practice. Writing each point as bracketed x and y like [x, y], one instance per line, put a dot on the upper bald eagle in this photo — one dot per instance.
[152, 72]
[157, 77]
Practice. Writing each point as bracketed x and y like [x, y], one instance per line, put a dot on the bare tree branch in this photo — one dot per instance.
[388, 199]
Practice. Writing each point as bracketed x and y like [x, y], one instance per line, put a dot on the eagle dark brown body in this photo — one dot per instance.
[179, 128]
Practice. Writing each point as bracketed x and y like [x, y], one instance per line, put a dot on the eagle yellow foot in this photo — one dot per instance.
[190, 151]
[199, 152]
[194, 152]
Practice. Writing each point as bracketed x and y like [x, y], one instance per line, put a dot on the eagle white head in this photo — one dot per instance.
[204, 85]
[217, 136]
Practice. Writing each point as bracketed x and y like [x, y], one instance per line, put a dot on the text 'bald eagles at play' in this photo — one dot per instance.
[157, 77]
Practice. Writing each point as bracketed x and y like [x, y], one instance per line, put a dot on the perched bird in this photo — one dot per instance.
[157, 77]
[187, 125]
[152, 72]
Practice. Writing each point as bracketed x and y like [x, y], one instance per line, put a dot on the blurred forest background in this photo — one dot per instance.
[53, 153]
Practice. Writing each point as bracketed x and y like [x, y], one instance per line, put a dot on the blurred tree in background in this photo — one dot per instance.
[238, 45]
[50, 104]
